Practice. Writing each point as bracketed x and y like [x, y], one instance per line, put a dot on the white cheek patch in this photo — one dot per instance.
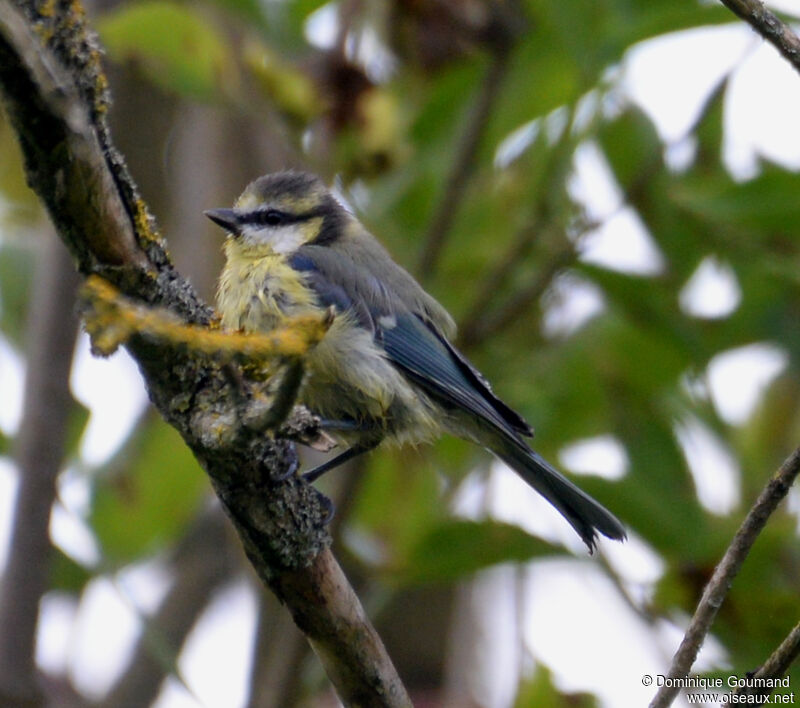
[282, 239]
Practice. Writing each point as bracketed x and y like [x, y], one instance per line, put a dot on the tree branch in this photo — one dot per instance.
[457, 180]
[202, 562]
[55, 97]
[476, 330]
[769, 26]
[776, 665]
[52, 331]
[722, 579]
[359, 666]
[280, 651]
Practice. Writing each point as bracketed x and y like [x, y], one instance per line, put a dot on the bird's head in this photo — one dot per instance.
[280, 212]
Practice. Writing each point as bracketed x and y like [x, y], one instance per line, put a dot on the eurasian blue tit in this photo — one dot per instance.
[386, 369]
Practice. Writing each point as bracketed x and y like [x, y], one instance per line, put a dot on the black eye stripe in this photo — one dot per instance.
[267, 217]
[271, 217]
[276, 217]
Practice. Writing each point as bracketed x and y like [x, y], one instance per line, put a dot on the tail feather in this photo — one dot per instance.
[584, 514]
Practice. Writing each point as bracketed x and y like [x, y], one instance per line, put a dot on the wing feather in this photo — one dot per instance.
[408, 336]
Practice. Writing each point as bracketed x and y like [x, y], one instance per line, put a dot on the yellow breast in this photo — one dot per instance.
[258, 289]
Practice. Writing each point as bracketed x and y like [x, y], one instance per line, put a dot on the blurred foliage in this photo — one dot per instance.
[149, 494]
[539, 690]
[457, 548]
[384, 105]
[16, 269]
[175, 47]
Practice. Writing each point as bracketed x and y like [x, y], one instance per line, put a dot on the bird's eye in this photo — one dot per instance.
[271, 217]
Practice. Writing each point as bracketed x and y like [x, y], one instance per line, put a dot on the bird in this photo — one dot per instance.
[386, 369]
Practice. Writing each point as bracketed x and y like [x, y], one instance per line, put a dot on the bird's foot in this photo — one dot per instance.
[328, 507]
[290, 472]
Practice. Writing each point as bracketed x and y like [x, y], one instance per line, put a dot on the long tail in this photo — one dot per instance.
[584, 514]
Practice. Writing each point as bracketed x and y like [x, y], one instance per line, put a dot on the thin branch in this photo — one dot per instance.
[203, 560]
[722, 579]
[776, 666]
[485, 319]
[478, 329]
[462, 167]
[491, 284]
[769, 26]
[55, 97]
[52, 330]
[279, 654]
[783, 657]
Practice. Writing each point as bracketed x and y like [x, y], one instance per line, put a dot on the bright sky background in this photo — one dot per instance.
[576, 621]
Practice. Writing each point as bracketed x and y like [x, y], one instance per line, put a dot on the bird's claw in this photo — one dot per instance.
[328, 507]
[290, 472]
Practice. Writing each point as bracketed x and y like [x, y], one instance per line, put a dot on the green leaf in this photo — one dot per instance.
[458, 548]
[174, 45]
[144, 504]
[767, 203]
[539, 690]
[709, 128]
[632, 147]
[399, 499]
[251, 10]
[20, 205]
[291, 90]
[66, 574]
[76, 424]
[538, 63]
[444, 100]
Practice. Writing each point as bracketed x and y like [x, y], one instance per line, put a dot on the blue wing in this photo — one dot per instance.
[416, 347]
[434, 364]
[411, 343]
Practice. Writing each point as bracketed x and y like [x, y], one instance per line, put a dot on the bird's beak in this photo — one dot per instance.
[226, 218]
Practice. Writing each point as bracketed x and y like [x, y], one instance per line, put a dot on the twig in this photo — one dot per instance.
[52, 331]
[281, 649]
[203, 560]
[769, 26]
[54, 94]
[717, 588]
[776, 665]
[503, 269]
[457, 180]
[478, 329]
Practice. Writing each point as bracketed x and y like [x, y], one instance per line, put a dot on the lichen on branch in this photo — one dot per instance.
[111, 319]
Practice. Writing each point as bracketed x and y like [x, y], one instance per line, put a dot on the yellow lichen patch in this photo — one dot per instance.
[100, 86]
[47, 8]
[111, 320]
[144, 226]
